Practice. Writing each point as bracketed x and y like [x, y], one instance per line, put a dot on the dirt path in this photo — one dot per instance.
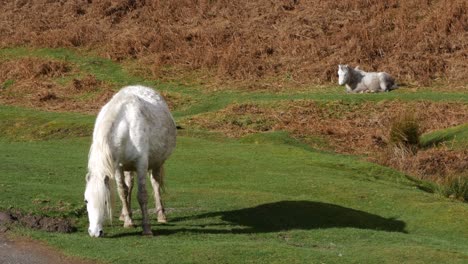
[22, 251]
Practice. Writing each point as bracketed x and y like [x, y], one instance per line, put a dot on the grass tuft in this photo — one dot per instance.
[405, 133]
[455, 187]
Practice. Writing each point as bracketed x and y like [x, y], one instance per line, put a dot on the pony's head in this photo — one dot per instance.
[343, 74]
[98, 203]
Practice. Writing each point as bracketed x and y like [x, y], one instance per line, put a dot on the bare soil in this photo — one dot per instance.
[22, 250]
[39, 222]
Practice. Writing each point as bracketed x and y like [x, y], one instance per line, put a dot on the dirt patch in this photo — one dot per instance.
[49, 224]
[24, 250]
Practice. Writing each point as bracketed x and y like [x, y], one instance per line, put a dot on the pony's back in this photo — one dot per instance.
[136, 121]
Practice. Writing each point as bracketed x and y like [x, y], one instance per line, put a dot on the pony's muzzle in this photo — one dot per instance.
[100, 233]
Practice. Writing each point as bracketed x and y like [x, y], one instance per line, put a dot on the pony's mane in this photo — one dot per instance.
[103, 194]
[101, 163]
[100, 160]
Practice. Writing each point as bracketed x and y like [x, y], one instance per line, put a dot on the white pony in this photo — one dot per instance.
[134, 132]
[358, 81]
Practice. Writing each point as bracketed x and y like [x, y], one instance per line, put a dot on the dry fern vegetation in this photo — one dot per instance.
[288, 41]
[50, 85]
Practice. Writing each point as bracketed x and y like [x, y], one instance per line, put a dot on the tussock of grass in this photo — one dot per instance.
[455, 187]
[405, 132]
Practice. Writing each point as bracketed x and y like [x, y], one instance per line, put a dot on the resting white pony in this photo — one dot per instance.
[358, 81]
[134, 132]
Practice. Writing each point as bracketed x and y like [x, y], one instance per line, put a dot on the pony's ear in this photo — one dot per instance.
[87, 177]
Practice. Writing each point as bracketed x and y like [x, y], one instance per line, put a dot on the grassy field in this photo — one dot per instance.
[233, 202]
[264, 198]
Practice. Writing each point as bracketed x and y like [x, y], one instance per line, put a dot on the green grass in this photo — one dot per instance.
[17, 124]
[265, 198]
[455, 137]
[7, 84]
[235, 202]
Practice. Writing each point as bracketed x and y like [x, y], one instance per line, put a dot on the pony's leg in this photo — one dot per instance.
[129, 183]
[143, 198]
[122, 189]
[157, 175]
[128, 177]
[360, 89]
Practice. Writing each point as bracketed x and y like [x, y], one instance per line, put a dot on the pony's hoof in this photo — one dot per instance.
[147, 233]
[162, 219]
[129, 225]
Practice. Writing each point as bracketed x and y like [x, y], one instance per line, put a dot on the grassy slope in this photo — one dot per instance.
[27, 124]
[455, 137]
[234, 201]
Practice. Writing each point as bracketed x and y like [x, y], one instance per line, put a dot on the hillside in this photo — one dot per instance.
[274, 163]
[298, 41]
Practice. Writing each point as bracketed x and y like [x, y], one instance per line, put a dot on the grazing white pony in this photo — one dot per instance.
[134, 134]
[358, 81]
